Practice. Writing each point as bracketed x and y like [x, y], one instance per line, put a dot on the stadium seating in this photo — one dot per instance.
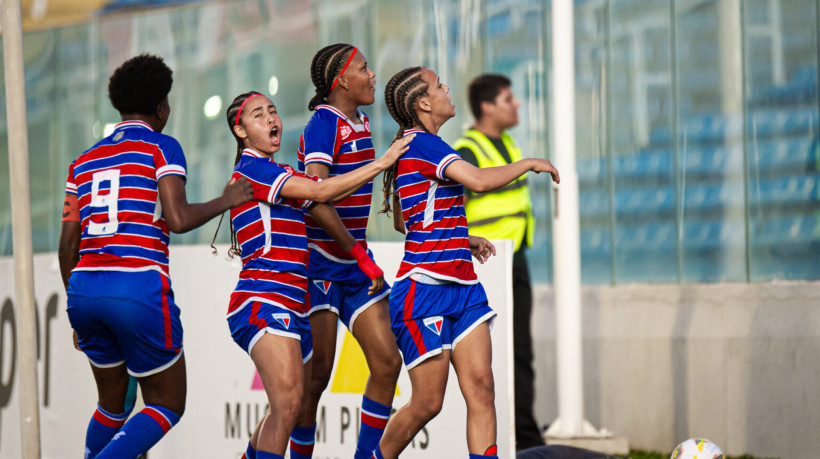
[718, 187]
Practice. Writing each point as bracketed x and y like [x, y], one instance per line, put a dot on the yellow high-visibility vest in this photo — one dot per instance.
[505, 213]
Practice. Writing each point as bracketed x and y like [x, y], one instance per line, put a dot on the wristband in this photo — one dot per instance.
[365, 262]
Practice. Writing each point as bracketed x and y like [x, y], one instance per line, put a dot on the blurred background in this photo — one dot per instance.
[697, 153]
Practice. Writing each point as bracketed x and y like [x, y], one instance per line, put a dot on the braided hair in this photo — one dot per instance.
[324, 68]
[231, 114]
[400, 95]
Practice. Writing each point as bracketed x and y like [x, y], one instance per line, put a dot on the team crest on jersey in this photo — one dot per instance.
[323, 285]
[345, 131]
[283, 318]
[366, 125]
[118, 136]
[434, 324]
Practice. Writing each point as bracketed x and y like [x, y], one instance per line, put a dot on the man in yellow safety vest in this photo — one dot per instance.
[505, 213]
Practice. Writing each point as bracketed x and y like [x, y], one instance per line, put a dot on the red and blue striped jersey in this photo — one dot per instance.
[330, 138]
[271, 234]
[433, 210]
[116, 183]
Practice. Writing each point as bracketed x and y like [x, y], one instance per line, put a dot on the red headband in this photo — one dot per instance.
[343, 69]
[236, 123]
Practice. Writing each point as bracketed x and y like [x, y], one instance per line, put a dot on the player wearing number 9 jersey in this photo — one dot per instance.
[123, 197]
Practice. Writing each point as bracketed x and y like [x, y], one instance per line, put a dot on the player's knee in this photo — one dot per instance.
[428, 407]
[483, 389]
[288, 405]
[387, 367]
[319, 379]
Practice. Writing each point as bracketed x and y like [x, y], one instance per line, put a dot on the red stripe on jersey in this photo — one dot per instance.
[106, 421]
[359, 156]
[97, 261]
[355, 200]
[163, 422]
[409, 322]
[146, 242]
[413, 165]
[166, 314]
[269, 275]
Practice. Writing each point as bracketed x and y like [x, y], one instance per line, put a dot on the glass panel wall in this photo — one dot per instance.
[780, 78]
[708, 142]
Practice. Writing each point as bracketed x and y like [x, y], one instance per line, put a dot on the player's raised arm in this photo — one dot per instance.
[480, 180]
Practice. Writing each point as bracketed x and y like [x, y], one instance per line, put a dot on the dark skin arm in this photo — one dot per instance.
[326, 216]
[182, 216]
[68, 252]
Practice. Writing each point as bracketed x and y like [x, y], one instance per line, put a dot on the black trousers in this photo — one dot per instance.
[527, 433]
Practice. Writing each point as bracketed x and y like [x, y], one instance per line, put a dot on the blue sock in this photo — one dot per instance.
[377, 454]
[374, 418]
[301, 442]
[267, 455]
[250, 453]
[140, 433]
[102, 427]
[482, 456]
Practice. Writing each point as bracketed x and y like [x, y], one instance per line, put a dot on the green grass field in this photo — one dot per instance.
[649, 455]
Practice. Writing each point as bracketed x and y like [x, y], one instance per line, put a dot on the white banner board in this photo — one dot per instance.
[224, 399]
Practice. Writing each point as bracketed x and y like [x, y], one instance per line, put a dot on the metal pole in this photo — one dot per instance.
[27, 380]
[566, 243]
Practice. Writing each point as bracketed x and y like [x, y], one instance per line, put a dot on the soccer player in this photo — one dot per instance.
[337, 140]
[123, 197]
[438, 308]
[267, 314]
[505, 213]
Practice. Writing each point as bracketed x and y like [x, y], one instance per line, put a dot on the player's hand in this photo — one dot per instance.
[397, 148]
[544, 165]
[76, 341]
[481, 248]
[238, 192]
[376, 285]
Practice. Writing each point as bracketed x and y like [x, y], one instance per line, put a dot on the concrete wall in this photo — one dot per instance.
[736, 363]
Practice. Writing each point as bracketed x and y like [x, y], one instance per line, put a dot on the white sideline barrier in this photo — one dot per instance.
[223, 406]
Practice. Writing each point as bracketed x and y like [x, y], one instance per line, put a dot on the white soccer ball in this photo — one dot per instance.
[697, 448]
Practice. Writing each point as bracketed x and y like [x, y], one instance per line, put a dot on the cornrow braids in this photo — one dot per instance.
[324, 67]
[231, 114]
[400, 95]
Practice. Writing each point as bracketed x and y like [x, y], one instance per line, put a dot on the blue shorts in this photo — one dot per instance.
[250, 322]
[346, 300]
[429, 318]
[125, 317]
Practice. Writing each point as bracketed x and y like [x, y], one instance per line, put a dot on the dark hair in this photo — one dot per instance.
[231, 113]
[140, 84]
[485, 88]
[324, 68]
[400, 96]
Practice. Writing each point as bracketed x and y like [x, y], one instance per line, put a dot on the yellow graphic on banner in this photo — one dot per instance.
[351, 369]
